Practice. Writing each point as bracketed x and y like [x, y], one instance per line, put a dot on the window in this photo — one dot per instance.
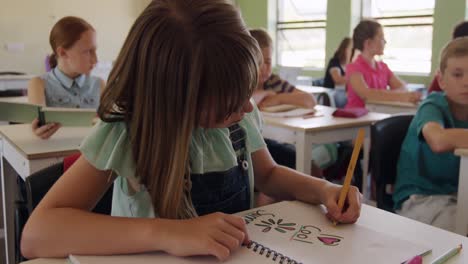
[408, 31]
[300, 33]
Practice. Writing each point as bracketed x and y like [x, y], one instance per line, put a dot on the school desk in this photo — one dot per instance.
[23, 153]
[390, 224]
[461, 220]
[392, 108]
[14, 82]
[324, 128]
[318, 91]
[14, 99]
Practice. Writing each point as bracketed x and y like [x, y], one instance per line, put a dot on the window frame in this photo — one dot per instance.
[289, 25]
[366, 5]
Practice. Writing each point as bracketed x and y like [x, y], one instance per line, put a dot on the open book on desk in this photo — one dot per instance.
[286, 111]
[294, 232]
[25, 113]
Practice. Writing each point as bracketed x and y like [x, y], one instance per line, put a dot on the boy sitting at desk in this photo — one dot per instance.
[272, 90]
[427, 174]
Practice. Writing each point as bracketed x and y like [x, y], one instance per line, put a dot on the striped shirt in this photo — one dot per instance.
[278, 85]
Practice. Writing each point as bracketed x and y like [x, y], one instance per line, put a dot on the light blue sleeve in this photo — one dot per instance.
[108, 148]
[252, 124]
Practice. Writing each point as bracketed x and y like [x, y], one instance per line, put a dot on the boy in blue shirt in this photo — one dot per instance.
[427, 179]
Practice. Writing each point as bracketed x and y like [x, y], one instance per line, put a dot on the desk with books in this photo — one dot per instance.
[23, 153]
[320, 129]
[305, 235]
[461, 220]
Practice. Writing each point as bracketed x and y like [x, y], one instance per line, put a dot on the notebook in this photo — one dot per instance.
[291, 232]
[25, 113]
[286, 111]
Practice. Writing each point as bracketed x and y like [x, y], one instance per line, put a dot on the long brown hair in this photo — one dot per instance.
[65, 33]
[181, 59]
[340, 53]
[366, 29]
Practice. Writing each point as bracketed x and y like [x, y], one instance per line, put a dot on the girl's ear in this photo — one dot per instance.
[61, 52]
[440, 79]
[366, 44]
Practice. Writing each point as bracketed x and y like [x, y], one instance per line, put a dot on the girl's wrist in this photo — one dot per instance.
[159, 235]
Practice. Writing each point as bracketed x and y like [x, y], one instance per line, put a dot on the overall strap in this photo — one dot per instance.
[237, 136]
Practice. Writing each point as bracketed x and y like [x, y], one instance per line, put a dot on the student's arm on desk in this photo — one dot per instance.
[296, 97]
[62, 224]
[362, 89]
[260, 94]
[396, 84]
[442, 139]
[287, 184]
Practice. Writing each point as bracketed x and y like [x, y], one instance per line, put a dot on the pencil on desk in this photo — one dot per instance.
[447, 255]
[350, 171]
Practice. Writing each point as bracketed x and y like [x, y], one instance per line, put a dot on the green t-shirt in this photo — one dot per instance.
[421, 171]
[108, 147]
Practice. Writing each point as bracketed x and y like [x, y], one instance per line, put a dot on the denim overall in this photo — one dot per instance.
[225, 191]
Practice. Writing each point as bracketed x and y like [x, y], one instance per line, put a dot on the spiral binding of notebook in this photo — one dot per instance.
[269, 253]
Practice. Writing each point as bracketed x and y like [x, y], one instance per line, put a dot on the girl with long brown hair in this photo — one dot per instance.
[180, 140]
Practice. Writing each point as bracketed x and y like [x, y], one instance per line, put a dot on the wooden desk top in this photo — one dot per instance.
[313, 89]
[323, 121]
[461, 152]
[16, 77]
[391, 224]
[14, 99]
[391, 103]
[64, 142]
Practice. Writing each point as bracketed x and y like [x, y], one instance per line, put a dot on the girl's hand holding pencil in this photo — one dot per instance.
[352, 209]
[345, 206]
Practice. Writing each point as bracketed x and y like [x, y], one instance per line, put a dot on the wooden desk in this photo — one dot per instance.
[392, 108]
[23, 153]
[391, 224]
[319, 130]
[317, 91]
[14, 82]
[14, 99]
[313, 89]
[461, 220]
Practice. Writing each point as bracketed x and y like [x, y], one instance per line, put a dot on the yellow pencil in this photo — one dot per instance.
[350, 171]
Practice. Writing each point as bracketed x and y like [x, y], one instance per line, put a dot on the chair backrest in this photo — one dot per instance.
[36, 187]
[386, 139]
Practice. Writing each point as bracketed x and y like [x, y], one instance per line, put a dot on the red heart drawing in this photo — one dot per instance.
[329, 241]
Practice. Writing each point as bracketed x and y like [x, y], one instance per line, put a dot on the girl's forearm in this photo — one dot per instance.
[73, 231]
[287, 184]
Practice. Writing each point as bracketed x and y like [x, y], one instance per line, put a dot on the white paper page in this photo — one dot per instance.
[303, 233]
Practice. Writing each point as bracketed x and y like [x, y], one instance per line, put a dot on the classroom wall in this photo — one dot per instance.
[343, 15]
[29, 22]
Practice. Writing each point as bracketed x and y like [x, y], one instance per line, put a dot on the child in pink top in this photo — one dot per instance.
[367, 78]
